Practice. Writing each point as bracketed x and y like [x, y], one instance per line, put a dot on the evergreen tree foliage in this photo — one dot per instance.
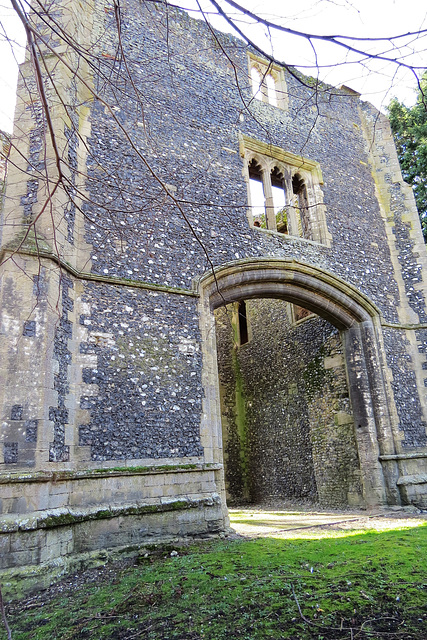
[409, 126]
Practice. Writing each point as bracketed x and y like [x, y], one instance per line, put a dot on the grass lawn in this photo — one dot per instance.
[317, 584]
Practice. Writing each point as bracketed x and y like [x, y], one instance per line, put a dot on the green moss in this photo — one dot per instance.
[27, 240]
[148, 508]
[78, 474]
[122, 470]
[146, 469]
[178, 505]
[152, 469]
[69, 518]
[102, 514]
[241, 424]
[58, 520]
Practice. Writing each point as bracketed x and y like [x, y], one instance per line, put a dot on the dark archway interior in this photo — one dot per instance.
[288, 428]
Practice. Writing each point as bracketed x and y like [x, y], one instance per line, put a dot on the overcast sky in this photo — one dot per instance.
[377, 81]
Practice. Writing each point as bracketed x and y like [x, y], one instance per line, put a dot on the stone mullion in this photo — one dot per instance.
[268, 195]
[292, 217]
[306, 221]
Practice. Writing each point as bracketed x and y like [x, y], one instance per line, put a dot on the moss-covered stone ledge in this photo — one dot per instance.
[91, 538]
[411, 480]
[110, 472]
[69, 516]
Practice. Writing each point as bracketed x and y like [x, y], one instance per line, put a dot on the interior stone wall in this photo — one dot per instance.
[287, 424]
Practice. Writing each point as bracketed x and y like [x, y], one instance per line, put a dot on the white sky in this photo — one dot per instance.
[378, 82]
[8, 62]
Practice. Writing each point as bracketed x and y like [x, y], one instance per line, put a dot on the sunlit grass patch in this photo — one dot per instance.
[345, 583]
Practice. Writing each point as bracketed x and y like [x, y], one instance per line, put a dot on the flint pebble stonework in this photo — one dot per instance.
[135, 400]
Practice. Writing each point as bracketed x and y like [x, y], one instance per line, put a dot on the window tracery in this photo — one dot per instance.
[284, 191]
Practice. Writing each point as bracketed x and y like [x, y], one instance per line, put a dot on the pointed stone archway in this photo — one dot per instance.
[345, 307]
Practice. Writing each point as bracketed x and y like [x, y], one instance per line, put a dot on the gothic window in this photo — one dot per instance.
[284, 191]
[268, 82]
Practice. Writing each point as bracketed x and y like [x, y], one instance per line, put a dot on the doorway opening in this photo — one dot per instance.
[287, 423]
[349, 314]
[343, 339]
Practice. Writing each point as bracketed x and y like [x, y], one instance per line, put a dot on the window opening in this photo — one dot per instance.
[257, 195]
[271, 90]
[278, 190]
[243, 323]
[268, 81]
[300, 313]
[284, 191]
[256, 83]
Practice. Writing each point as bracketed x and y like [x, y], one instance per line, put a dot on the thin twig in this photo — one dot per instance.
[351, 629]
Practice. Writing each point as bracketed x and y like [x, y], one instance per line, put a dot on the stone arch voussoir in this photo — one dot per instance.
[309, 286]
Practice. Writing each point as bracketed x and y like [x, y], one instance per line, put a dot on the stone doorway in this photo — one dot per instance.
[351, 339]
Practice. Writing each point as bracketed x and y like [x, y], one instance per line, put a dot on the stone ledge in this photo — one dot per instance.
[58, 476]
[21, 581]
[69, 516]
[403, 456]
[26, 244]
[409, 480]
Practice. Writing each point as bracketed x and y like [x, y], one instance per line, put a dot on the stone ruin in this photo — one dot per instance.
[222, 299]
